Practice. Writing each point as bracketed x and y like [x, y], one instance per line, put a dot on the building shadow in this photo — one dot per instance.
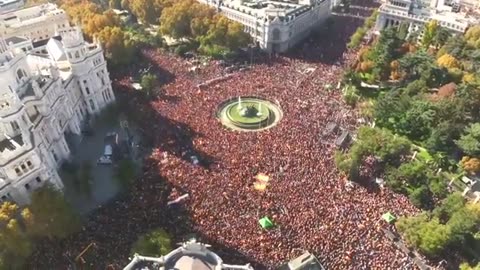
[175, 138]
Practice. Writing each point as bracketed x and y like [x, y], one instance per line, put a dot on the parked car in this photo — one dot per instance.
[104, 160]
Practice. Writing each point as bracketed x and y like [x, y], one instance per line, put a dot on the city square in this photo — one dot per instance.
[240, 135]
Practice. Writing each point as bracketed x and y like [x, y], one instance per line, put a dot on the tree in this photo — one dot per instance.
[466, 266]
[376, 142]
[54, 217]
[430, 31]
[119, 48]
[409, 174]
[154, 243]
[448, 206]
[462, 223]
[472, 36]
[357, 37]
[469, 142]
[441, 37]
[471, 165]
[420, 196]
[415, 64]
[428, 235]
[149, 83]
[175, 20]
[448, 61]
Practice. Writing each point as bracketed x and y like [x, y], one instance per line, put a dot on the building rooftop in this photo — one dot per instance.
[190, 256]
[268, 8]
[9, 143]
[15, 40]
[29, 15]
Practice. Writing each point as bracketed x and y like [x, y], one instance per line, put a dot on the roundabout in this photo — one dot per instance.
[249, 113]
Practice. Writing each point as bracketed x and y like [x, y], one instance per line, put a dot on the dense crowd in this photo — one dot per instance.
[312, 206]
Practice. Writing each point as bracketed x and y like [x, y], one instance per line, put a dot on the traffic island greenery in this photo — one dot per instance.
[155, 243]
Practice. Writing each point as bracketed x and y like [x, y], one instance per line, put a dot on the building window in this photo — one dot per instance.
[24, 168]
[38, 179]
[77, 55]
[15, 125]
[54, 155]
[20, 73]
[92, 104]
[87, 90]
[27, 186]
[29, 164]
[17, 170]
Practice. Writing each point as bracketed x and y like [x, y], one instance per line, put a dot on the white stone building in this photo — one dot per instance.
[48, 88]
[7, 5]
[36, 23]
[275, 26]
[416, 13]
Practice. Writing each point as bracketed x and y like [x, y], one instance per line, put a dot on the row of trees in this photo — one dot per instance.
[48, 216]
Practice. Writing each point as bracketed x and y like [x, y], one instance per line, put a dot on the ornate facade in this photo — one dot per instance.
[275, 26]
[48, 89]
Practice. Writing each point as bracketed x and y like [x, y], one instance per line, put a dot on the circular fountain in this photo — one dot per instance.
[249, 113]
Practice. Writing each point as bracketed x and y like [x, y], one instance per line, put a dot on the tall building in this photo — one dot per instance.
[418, 12]
[190, 256]
[275, 26]
[48, 88]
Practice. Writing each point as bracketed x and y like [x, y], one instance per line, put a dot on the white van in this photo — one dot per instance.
[108, 151]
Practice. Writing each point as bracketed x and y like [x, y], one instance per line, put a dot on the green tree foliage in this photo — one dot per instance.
[223, 34]
[430, 31]
[451, 204]
[466, 266]
[472, 36]
[428, 235]
[54, 217]
[149, 83]
[154, 243]
[385, 51]
[469, 142]
[357, 37]
[417, 180]
[441, 37]
[377, 142]
[120, 49]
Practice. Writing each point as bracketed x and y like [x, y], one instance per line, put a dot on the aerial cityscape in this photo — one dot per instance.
[240, 134]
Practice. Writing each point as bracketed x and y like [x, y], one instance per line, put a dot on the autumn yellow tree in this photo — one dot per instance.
[472, 36]
[15, 244]
[448, 61]
[471, 165]
[468, 78]
[119, 48]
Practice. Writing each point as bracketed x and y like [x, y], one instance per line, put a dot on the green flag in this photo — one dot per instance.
[265, 223]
